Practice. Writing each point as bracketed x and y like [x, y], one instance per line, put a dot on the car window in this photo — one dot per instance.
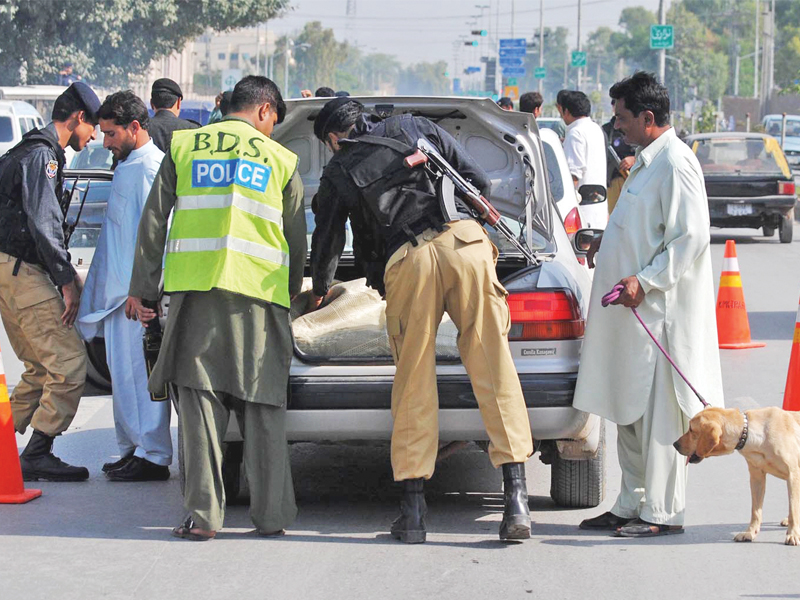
[91, 218]
[6, 129]
[741, 156]
[24, 125]
[773, 127]
[93, 156]
[553, 172]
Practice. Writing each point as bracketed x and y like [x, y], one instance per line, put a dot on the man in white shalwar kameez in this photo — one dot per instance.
[142, 426]
[657, 246]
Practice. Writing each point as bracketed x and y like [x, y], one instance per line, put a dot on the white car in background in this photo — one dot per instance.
[561, 186]
[16, 119]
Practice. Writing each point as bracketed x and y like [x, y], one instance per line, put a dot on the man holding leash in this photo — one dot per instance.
[656, 246]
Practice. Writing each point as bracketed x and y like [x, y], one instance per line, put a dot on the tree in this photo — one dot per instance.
[555, 54]
[633, 42]
[110, 42]
[424, 79]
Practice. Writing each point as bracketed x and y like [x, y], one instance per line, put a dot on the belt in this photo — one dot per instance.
[423, 238]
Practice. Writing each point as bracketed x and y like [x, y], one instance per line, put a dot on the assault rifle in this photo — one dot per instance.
[152, 345]
[480, 207]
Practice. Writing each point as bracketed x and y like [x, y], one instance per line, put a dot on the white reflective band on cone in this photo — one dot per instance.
[243, 203]
[230, 243]
[730, 264]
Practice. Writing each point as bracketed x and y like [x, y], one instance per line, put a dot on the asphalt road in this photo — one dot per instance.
[105, 540]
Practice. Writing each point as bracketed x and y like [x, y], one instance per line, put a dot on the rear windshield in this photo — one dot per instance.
[6, 130]
[742, 156]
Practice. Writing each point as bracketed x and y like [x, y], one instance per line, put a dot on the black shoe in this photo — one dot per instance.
[38, 462]
[516, 523]
[409, 527]
[139, 469]
[117, 464]
[608, 521]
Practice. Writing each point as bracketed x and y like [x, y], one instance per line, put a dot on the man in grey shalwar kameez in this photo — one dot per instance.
[657, 246]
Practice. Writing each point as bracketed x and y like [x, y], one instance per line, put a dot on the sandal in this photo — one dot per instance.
[184, 531]
[641, 529]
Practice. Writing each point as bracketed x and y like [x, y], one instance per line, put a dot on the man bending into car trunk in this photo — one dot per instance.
[424, 263]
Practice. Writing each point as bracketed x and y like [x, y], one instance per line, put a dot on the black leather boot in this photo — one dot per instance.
[38, 462]
[516, 523]
[409, 527]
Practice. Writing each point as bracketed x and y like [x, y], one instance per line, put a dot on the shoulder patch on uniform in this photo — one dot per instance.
[52, 168]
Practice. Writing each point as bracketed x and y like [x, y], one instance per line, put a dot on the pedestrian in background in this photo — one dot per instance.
[34, 267]
[656, 246]
[142, 426]
[531, 102]
[166, 98]
[505, 103]
[617, 172]
[235, 255]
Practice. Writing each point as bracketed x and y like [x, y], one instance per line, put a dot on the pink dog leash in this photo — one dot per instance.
[612, 296]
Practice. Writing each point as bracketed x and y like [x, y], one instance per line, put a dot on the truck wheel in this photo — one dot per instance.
[579, 483]
[768, 231]
[787, 229]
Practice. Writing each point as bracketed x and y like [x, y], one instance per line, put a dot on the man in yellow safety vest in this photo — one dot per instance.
[235, 256]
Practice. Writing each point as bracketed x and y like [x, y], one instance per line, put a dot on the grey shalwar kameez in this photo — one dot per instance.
[224, 351]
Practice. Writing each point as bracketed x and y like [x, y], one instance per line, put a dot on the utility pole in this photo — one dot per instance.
[580, 69]
[513, 14]
[771, 72]
[755, 59]
[662, 54]
[541, 42]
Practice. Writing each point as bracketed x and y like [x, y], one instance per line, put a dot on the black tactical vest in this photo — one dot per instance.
[403, 201]
[15, 236]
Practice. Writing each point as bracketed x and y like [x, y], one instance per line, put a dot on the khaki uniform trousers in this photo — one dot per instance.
[204, 420]
[48, 394]
[453, 271]
[614, 190]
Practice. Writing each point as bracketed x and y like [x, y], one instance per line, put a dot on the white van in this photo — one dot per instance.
[16, 119]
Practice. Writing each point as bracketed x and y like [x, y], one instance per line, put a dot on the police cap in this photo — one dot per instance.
[324, 116]
[86, 97]
[165, 84]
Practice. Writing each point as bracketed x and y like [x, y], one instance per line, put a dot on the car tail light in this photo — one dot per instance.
[545, 315]
[786, 187]
[573, 221]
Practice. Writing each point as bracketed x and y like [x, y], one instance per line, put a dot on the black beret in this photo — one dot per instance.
[166, 84]
[326, 113]
[86, 96]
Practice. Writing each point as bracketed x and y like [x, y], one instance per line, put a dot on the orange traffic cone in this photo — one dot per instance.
[791, 395]
[733, 328]
[12, 491]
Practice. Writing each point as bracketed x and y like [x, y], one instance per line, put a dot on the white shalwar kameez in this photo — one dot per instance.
[142, 425]
[658, 231]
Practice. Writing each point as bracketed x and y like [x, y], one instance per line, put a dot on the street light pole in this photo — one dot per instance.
[580, 69]
[662, 54]
[541, 42]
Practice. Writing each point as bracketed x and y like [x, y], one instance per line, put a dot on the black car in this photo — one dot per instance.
[748, 181]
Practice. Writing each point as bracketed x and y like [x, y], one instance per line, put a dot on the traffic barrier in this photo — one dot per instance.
[791, 395]
[733, 326]
[12, 490]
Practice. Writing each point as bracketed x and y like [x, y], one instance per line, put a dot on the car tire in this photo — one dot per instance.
[787, 229]
[579, 483]
[768, 231]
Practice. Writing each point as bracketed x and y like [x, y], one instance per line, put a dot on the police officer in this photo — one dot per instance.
[235, 254]
[424, 263]
[34, 265]
[617, 173]
[165, 98]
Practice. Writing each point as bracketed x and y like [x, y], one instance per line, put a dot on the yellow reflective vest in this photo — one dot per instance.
[227, 227]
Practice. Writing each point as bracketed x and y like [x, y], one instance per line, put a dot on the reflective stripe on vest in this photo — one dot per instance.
[227, 228]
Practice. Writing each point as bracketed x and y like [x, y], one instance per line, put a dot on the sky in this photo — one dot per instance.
[428, 30]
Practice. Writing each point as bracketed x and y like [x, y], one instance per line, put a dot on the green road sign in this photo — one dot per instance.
[661, 37]
[541, 72]
[512, 81]
[578, 58]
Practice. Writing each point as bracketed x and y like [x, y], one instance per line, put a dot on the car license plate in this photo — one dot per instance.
[740, 210]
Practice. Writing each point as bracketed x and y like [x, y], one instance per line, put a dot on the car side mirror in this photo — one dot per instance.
[592, 194]
[583, 238]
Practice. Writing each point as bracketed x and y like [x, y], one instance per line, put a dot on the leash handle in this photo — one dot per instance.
[613, 296]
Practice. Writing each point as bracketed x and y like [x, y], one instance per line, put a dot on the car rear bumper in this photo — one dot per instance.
[762, 206]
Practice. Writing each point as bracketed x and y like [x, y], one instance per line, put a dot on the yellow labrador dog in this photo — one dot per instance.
[768, 439]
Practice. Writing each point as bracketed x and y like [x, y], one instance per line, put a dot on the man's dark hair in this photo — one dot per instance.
[530, 101]
[577, 103]
[337, 115]
[162, 99]
[65, 105]
[504, 102]
[255, 90]
[124, 108]
[225, 103]
[324, 92]
[642, 91]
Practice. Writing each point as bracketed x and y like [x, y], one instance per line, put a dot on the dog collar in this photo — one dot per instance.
[743, 437]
